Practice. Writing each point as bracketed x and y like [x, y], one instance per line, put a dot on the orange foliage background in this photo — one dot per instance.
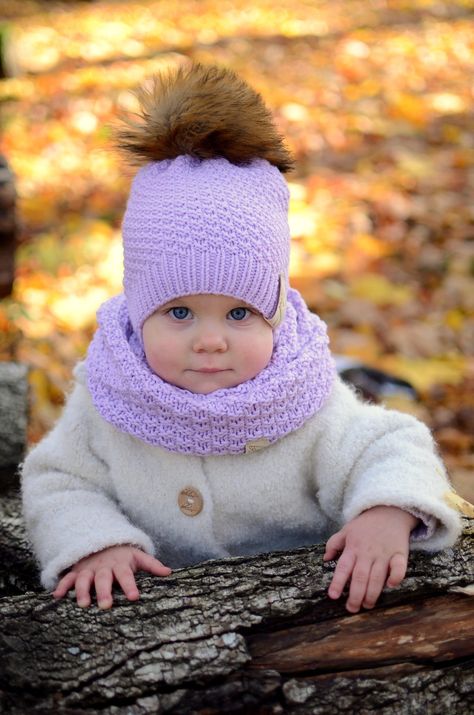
[375, 99]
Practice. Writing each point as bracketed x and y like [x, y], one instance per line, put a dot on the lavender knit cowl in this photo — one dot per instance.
[280, 399]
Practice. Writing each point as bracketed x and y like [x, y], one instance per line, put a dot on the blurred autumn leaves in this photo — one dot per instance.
[375, 99]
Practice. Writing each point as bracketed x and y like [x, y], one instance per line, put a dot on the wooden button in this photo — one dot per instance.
[190, 501]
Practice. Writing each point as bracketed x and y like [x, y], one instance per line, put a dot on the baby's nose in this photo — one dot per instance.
[210, 341]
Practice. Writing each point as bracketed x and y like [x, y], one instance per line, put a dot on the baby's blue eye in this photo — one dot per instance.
[180, 313]
[238, 313]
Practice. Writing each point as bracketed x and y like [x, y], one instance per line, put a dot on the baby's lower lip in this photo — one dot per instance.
[209, 370]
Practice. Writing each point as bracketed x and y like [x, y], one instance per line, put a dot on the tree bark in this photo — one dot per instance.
[242, 635]
[13, 420]
[8, 220]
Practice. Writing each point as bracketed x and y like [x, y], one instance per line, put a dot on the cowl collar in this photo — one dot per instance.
[256, 413]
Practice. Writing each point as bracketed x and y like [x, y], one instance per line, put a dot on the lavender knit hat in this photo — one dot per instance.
[208, 212]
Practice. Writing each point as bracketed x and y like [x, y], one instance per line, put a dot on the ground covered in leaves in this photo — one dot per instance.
[375, 99]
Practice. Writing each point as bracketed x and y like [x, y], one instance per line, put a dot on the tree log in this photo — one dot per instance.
[242, 635]
[18, 571]
[13, 420]
[8, 220]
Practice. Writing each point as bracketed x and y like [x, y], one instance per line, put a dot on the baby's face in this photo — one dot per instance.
[206, 342]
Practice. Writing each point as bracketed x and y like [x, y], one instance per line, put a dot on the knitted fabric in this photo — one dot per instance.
[280, 399]
[194, 226]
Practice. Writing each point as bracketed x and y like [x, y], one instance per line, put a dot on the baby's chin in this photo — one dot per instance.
[209, 384]
[206, 384]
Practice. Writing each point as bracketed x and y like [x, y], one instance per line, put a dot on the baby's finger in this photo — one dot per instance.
[104, 579]
[149, 563]
[83, 586]
[126, 579]
[397, 568]
[341, 574]
[377, 578]
[65, 584]
[359, 582]
[335, 544]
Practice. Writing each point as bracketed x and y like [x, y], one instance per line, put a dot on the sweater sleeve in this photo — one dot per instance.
[68, 494]
[367, 455]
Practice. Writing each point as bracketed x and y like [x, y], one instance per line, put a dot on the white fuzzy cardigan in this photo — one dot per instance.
[87, 486]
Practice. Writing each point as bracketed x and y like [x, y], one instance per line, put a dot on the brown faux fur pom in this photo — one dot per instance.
[205, 111]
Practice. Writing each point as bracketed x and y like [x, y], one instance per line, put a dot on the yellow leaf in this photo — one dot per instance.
[461, 505]
[447, 103]
[380, 291]
[410, 107]
[75, 312]
[455, 319]
[424, 373]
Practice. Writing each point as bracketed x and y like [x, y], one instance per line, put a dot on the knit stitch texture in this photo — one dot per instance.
[194, 226]
[280, 399]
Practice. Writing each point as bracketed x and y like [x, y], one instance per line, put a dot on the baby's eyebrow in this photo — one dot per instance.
[183, 303]
[242, 303]
[177, 301]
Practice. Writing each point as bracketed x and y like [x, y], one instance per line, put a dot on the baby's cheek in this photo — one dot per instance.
[152, 361]
[258, 353]
[159, 358]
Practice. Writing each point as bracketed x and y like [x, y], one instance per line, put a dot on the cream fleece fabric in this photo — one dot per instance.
[86, 486]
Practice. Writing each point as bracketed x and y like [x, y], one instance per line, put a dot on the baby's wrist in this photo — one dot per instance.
[410, 517]
[407, 514]
[421, 526]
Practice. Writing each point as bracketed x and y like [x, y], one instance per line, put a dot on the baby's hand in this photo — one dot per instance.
[101, 568]
[374, 546]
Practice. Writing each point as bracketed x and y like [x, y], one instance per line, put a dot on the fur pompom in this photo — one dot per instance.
[205, 111]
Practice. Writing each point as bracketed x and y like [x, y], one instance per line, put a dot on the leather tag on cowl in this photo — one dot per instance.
[255, 445]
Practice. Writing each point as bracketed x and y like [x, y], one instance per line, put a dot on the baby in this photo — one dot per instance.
[207, 419]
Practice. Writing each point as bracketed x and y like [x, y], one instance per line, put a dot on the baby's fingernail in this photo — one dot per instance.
[104, 604]
[82, 603]
[352, 609]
